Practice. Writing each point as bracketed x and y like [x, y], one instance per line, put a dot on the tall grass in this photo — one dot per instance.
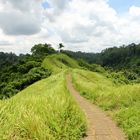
[59, 62]
[121, 101]
[43, 111]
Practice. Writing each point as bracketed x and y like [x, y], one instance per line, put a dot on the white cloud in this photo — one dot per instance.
[20, 17]
[134, 11]
[17, 23]
[86, 25]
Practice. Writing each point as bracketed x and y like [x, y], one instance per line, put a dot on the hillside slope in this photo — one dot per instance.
[46, 110]
[59, 62]
[40, 112]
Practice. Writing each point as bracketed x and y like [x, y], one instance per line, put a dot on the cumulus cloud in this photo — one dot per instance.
[94, 25]
[134, 11]
[16, 23]
[58, 4]
[20, 18]
[23, 5]
[5, 43]
[84, 22]
[86, 25]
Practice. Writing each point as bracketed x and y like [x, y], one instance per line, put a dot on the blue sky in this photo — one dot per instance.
[45, 5]
[122, 6]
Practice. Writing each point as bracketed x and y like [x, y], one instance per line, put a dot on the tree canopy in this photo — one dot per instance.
[42, 49]
[18, 72]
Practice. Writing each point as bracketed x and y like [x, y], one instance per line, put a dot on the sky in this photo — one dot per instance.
[122, 6]
[81, 25]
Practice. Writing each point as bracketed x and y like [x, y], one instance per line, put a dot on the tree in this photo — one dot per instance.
[60, 46]
[42, 49]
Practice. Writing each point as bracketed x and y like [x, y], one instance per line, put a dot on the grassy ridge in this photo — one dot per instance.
[42, 111]
[121, 101]
[59, 62]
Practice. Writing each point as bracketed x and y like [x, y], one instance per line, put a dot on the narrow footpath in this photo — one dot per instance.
[100, 126]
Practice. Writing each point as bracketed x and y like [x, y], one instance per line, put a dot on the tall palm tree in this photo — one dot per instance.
[60, 47]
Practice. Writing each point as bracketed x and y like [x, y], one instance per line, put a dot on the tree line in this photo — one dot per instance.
[124, 58]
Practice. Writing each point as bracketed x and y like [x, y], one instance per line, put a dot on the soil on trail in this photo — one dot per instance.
[100, 126]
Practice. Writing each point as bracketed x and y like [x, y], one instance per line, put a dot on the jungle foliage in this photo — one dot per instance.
[18, 72]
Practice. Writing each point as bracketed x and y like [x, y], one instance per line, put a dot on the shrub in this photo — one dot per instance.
[17, 85]
[27, 66]
[118, 77]
[91, 67]
[9, 91]
[130, 75]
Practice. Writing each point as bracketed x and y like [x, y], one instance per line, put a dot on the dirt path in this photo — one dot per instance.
[100, 126]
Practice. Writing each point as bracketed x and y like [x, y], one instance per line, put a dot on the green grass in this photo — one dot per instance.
[121, 101]
[43, 111]
[59, 62]
[47, 111]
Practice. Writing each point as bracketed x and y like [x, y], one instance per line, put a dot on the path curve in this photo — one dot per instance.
[100, 126]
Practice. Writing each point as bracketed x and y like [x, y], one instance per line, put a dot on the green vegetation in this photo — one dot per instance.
[59, 62]
[46, 110]
[91, 67]
[60, 47]
[42, 50]
[18, 72]
[124, 58]
[42, 111]
[122, 101]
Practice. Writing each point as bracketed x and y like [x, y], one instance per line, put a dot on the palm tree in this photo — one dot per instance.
[60, 47]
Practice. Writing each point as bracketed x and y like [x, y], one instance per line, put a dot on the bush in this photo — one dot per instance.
[118, 77]
[130, 75]
[98, 68]
[17, 85]
[91, 67]
[27, 66]
[9, 91]
[32, 76]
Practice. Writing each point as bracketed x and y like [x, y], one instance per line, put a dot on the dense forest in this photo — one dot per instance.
[18, 72]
